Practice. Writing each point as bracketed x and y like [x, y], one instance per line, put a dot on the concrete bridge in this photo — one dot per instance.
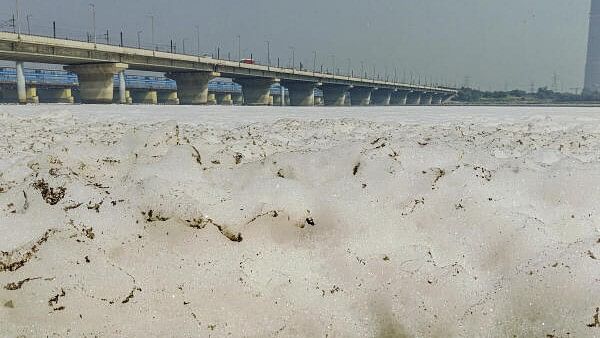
[97, 64]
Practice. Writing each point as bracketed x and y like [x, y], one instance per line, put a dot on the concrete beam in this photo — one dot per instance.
[192, 87]
[414, 98]
[381, 97]
[360, 96]
[301, 93]
[334, 95]
[96, 81]
[399, 97]
[256, 91]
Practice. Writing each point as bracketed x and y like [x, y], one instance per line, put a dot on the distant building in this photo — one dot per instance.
[592, 67]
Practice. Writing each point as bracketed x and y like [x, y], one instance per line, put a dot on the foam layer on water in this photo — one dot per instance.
[292, 224]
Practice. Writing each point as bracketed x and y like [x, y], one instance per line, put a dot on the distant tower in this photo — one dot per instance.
[592, 67]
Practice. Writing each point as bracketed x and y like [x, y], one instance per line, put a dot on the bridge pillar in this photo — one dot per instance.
[334, 94]
[144, 96]
[96, 81]
[301, 93]
[256, 91]
[381, 97]
[414, 98]
[276, 100]
[122, 88]
[426, 99]
[56, 95]
[318, 100]
[437, 99]
[360, 96]
[21, 90]
[447, 98]
[167, 97]
[238, 98]
[211, 99]
[192, 87]
[32, 96]
[399, 97]
[224, 99]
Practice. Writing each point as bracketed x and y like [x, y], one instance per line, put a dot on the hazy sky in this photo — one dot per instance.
[496, 43]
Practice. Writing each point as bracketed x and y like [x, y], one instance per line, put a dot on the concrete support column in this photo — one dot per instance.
[122, 88]
[381, 97]
[447, 98]
[301, 93]
[399, 98]
[168, 97]
[192, 87]
[224, 99]
[211, 99]
[426, 99]
[360, 96]
[437, 99]
[318, 100]
[238, 98]
[276, 100]
[96, 81]
[256, 91]
[144, 96]
[56, 95]
[21, 91]
[31, 94]
[334, 94]
[414, 98]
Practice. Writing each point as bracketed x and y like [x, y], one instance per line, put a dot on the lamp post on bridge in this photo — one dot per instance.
[27, 17]
[139, 37]
[293, 57]
[314, 62]
[93, 9]
[239, 41]
[152, 30]
[197, 40]
[349, 66]
[268, 54]
[18, 19]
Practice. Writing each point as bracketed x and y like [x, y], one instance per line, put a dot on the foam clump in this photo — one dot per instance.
[299, 226]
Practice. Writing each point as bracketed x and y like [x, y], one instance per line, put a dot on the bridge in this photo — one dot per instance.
[96, 66]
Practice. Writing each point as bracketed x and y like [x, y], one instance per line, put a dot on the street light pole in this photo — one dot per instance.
[28, 25]
[17, 20]
[139, 36]
[239, 38]
[93, 8]
[349, 66]
[152, 28]
[314, 61]
[198, 40]
[293, 57]
[268, 54]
